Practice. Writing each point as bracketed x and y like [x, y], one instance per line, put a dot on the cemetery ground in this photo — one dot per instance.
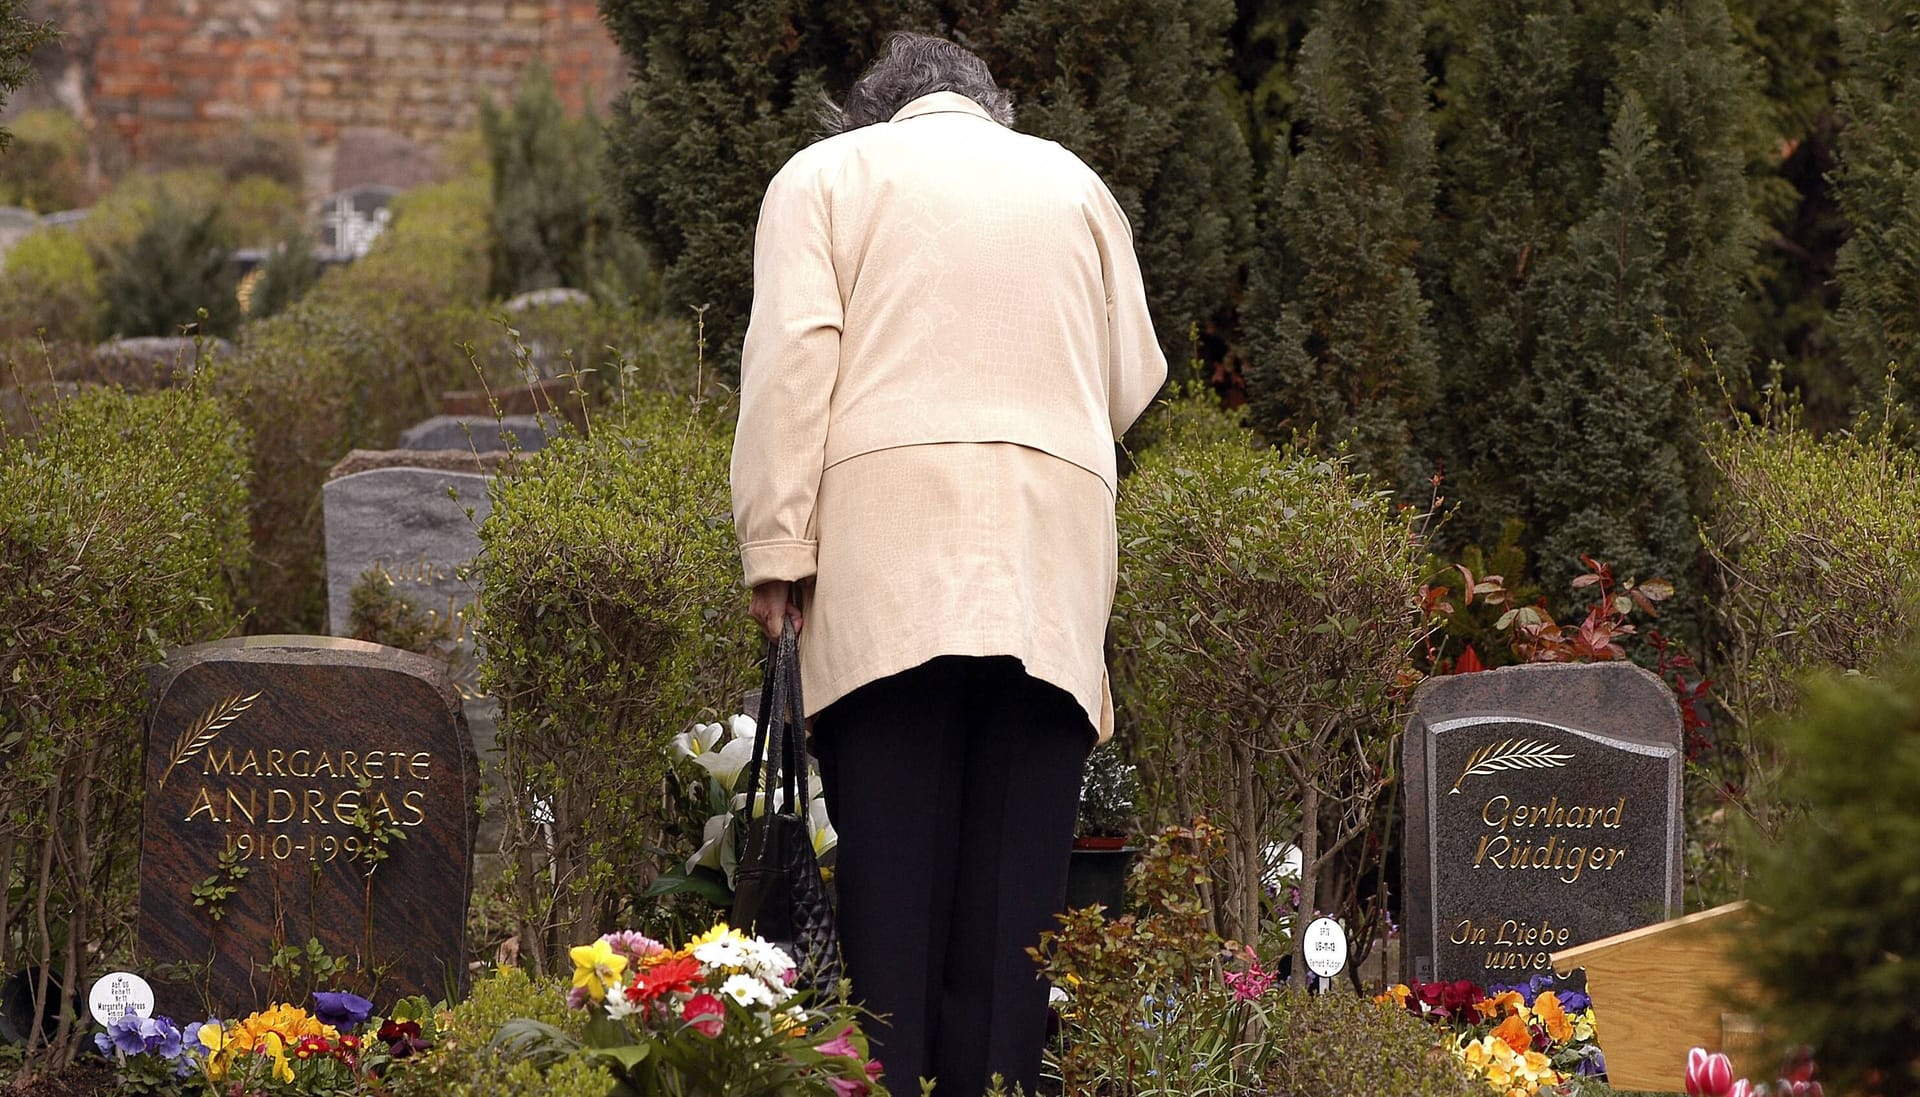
[374, 693]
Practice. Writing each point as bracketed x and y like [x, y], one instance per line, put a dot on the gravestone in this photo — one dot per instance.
[276, 752]
[546, 299]
[351, 220]
[1543, 811]
[402, 517]
[481, 433]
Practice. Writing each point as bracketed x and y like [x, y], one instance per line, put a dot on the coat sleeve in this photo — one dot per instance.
[788, 366]
[1135, 366]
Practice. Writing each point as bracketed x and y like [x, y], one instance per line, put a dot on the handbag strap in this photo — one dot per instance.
[776, 744]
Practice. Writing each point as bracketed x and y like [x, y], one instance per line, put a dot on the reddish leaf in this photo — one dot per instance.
[1468, 662]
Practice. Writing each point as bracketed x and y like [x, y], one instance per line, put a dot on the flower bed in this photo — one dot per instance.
[1519, 1038]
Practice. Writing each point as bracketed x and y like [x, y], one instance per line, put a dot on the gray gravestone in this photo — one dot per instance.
[409, 527]
[1543, 811]
[483, 434]
[285, 755]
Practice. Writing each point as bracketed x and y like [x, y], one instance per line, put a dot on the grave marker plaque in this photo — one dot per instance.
[275, 751]
[1543, 811]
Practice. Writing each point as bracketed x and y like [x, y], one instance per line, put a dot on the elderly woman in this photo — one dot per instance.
[948, 335]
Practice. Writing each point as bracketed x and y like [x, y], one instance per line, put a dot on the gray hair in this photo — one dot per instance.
[912, 66]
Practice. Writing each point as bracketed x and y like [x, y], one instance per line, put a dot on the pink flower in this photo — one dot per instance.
[634, 946]
[1741, 1089]
[704, 1014]
[844, 1087]
[1708, 1075]
[1251, 983]
[840, 1045]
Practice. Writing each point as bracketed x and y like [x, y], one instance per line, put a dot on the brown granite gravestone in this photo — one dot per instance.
[277, 751]
[1543, 811]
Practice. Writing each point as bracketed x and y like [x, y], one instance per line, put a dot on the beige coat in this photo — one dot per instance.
[948, 334]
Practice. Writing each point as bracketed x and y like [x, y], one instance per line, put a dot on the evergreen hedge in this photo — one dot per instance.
[723, 97]
[122, 533]
[612, 615]
[1878, 182]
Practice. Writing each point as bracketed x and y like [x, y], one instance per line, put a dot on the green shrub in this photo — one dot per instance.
[464, 1063]
[176, 267]
[45, 166]
[1835, 945]
[122, 533]
[1336, 1045]
[552, 223]
[1267, 609]
[611, 608]
[1814, 538]
[50, 282]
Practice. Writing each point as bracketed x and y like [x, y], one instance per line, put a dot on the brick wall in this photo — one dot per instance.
[410, 69]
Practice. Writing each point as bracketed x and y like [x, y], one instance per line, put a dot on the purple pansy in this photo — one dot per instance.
[125, 1034]
[340, 1008]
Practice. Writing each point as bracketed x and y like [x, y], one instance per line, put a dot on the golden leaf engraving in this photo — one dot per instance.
[1511, 754]
[204, 731]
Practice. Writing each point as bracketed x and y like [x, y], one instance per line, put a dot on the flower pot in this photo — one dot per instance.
[1098, 876]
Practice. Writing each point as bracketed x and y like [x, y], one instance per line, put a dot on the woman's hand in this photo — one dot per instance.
[772, 600]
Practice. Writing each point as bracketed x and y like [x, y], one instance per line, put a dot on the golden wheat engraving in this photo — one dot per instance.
[1511, 754]
[204, 731]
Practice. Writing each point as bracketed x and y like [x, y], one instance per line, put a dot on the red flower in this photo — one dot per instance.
[670, 977]
[704, 1014]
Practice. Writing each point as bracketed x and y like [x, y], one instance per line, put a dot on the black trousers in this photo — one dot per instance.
[953, 787]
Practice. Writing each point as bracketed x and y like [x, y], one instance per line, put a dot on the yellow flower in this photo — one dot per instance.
[720, 932]
[288, 1022]
[277, 1047]
[1397, 994]
[1583, 1025]
[219, 1049]
[1547, 1007]
[596, 967]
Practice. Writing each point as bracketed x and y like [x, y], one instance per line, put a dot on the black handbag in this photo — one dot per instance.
[778, 891]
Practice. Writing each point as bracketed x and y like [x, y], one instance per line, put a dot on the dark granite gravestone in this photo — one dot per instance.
[277, 752]
[1543, 811]
[480, 433]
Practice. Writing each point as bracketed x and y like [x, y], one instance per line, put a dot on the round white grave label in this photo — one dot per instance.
[1326, 948]
[117, 993]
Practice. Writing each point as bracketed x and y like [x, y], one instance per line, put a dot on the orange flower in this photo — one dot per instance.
[1396, 994]
[1503, 1003]
[1547, 1008]
[1514, 1033]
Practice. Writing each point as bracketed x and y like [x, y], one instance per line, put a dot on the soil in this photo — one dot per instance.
[90, 1077]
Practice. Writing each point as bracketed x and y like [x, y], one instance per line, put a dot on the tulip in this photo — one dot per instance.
[1708, 1074]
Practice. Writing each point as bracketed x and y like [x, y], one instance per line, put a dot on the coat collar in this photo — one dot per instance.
[941, 102]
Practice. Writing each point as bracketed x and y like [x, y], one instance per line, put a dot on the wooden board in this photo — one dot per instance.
[1662, 989]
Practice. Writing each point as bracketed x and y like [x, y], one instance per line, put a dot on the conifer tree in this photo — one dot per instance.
[1521, 123]
[1703, 104]
[1879, 187]
[1338, 332]
[724, 94]
[20, 35]
[1605, 467]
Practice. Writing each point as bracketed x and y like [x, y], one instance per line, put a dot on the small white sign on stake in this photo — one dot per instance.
[118, 993]
[1326, 948]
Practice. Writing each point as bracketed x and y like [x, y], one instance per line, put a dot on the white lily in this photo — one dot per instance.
[820, 828]
[697, 740]
[717, 847]
[742, 726]
[726, 763]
